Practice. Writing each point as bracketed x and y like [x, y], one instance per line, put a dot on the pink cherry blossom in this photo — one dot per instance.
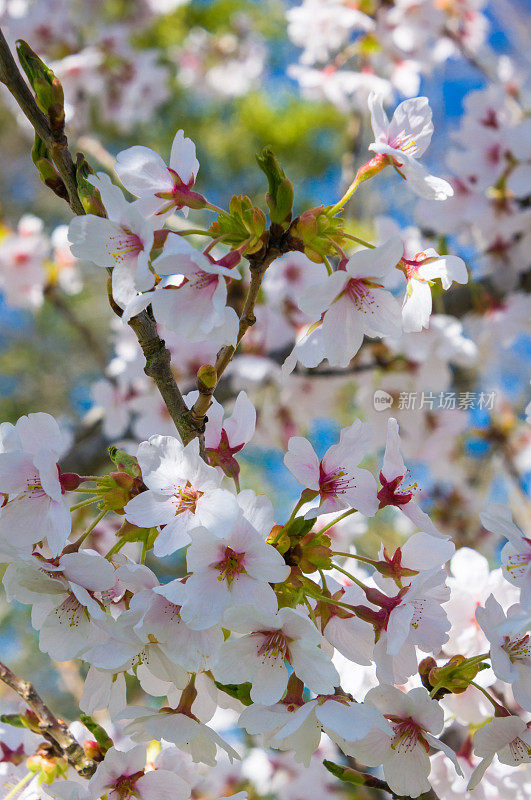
[335, 479]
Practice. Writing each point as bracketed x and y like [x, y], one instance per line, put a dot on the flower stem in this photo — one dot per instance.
[338, 519]
[20, 785]
[84, 503]
[352, 577]
[90, 528]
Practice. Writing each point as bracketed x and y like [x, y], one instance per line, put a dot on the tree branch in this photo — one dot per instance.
[258, 267]
[55, 141]
[51, 728]
[158, 358]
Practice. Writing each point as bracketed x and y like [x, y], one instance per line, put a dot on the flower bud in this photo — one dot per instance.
[69, 481]
[47, 87]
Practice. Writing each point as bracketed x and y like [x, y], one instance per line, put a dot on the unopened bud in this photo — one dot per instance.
[207, 376]
[69, 481]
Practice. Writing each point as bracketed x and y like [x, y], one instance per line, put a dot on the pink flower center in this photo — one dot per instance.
[275, 643]
[405, 142]
[231, 565]
[358, 290]
[127, 245]
[334, 483]
[34, 488]
[187, 498]
[407, 733]
[203, 280]
[124, 786]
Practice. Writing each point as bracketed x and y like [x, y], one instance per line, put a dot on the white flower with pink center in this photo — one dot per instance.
[270, 642]
[421, 271]
[225, 436]
[516, 555]
[233, 571]
[191, 297]
[414, 718]
[510, 648]
[161, 189]
[122, 241]
[34, 504]
[392, 478]
[183, 494]
[336, 479]
[66, 597]
[509, 738]
[124, 775]
[403, 140]
[296, 725]
[351, 303]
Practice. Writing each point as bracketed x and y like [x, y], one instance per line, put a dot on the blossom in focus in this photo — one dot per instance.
[231, 571]
[421, 271]
[351, 303]
[183, 494]
[507, 737]
[268, 642]
[122, 241]
[336, 479]
[415, 720]
[123, 774]
[404, 139]
[161, 189]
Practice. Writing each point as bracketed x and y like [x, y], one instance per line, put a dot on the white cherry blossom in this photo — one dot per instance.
[350, 304]
[392, 475]
[404, 139]
[336, 479]
[183, 494]
[160, 188]
[268, 642]
[122, 241]
[231, 571]
[415, 720]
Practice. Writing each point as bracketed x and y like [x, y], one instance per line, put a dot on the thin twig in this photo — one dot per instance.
[158, 358]
[51, 728]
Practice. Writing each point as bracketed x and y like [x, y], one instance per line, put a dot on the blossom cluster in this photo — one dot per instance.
[342, 623]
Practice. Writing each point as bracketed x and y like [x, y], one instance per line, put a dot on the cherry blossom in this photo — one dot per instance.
[392, 475]
[415, 720]
[123, 774]
[510, 648]
[507, 737]
[160, 188]
[123, 241]
[421, 271]
[404, 139]
[516, 555]
[36, 507]
[64, 596]
[351, 303]
[183, 494]
[231, 571]
[270, 640]
[336, 478]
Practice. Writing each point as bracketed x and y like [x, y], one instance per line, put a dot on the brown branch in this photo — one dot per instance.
[55, 141]
[258, 266]
[158, 358]
[51, 728]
